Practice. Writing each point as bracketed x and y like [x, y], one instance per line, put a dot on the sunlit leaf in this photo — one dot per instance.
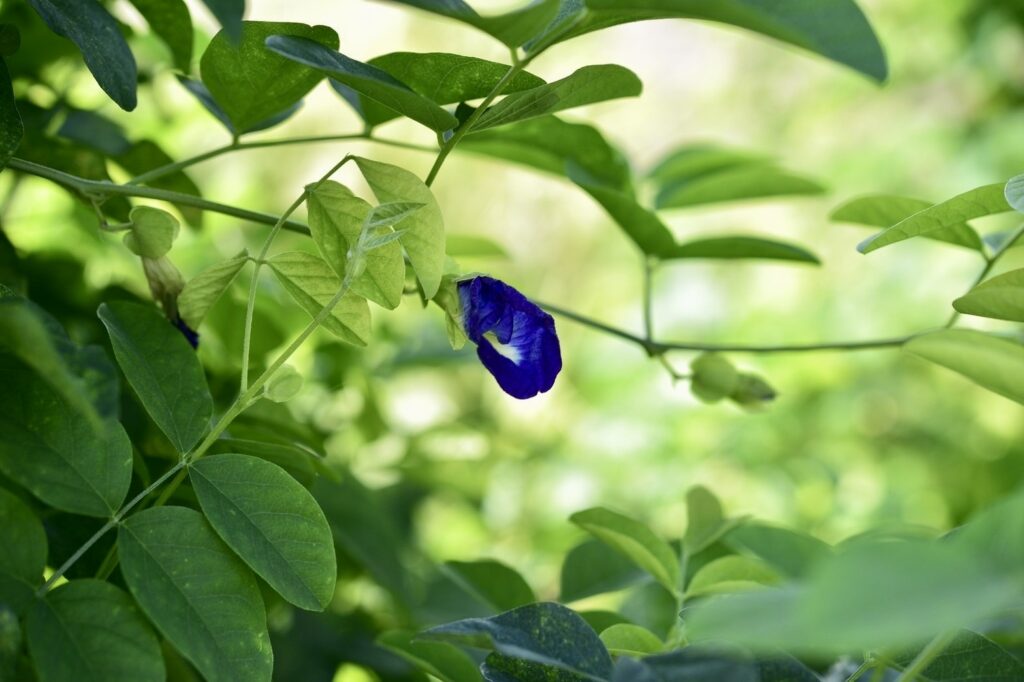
[884, 210]
[473, 246]
[634, 540]
[692, 161]
[631, 640]
[513, 28]
[732, 574]
[989, 361]
[152, 232]
[202, 291]
[171, 21]
[739, 247]
[742, 183]
[714, 378]
[1001, 298]
[706, 522]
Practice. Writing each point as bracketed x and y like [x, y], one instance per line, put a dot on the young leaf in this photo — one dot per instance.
[1014, 192]
[547, 636]
[592, 567]
[423, 238]
[883, 210]
[970, 656]
[272, 523]
[24, 540]
[549, 144]
[705, 520]
[367, 80]
[11, 127]
[197, 592]
[229, 13]
[312, 284]
[90, 631]
[390, 214]
[56, 452]
[513, 28]
[203, 290]
[444, 661]
[626, 639]
[989, 361]
[162, 368]
[1001, 298]
[588, 85]
[938, 219]
[88, 25]
[714, 377]
[171, 21]
[744, 183]
[152, 232]
[732, 574]
[251, 83]
[634, 540]
[738, 247]
[284, 385]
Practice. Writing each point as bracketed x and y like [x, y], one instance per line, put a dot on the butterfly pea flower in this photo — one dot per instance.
[515, 340]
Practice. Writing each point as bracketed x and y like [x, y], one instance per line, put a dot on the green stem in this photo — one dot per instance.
[990, 263]
[648, 300]
[928, 654]
[867, 665]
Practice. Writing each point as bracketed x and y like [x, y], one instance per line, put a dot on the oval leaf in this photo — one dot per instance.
[513, 28]
[989, 361]
[736, 184]
[634, 540]
[730, 248]
[732, 574]
[631, 640]
[197, 592]
[592, 567]
[1001, 298]
[884, 210]
[440, 659]
[203, 290]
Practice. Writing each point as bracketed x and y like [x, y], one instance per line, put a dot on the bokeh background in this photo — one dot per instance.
[853, 441]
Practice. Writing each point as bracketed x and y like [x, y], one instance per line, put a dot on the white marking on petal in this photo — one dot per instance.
[504, 350]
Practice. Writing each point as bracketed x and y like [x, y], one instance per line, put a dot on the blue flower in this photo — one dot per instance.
[515, 339]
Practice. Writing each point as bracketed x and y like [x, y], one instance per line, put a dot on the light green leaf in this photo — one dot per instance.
[54, 451]
[90, 631]
[1001, 298]
[989, 361]
[756, 181]
[705, 520]
[793, 553]
[152, 232]
[727, 248]
[171, 21]
[205, 289]
[634, 540]
[391, 214]
[23, 539]
[272, 522]
[312, 284]
[714, 377]
[940, 218]
[513, 28]
[423, 238]
[447, 299]
[732, 574]
[336, 219]
[88, 25]
[365, 79]
[197, 592]
[284, 385]
[592, 567]
[626, 639]
[884, 210]
[968, 658]
[549, 144]
[444, 661]
[752, 391]
[693, 161]
[162, 368]
[588, 85]
[251, 83]
[11, 127]
[1014, 192]
[474, 246]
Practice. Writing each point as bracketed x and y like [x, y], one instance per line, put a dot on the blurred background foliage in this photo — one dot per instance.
[461, 471]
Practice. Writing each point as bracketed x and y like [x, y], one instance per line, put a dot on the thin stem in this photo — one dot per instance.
[648, 302]
[928, 654]
[990, 263]
[867, 665]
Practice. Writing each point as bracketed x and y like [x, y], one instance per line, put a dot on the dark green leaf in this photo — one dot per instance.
[652, 606]
[989, 361]
[884, 210]
[203, 290]
[94, 130]
[691, 664]
[367, 80]
[1014, 192]
[10, 39]
[251, 83]
[742, 183]
[971, 657]
[742, 247]
[631, 640]
[440, 659]
[88, 25]
[10, 641]
[11, 127]
[90, 631]
[634, 540]
[789, 551]
[592, 567]
[202, 93]
[300, 463]
[513, 28]
[550, 144]
[496, 586]
[938, 219]
[785, 668]
[229, 13]
[272, 522]
[1001, 298]
[197, 592]
[548, 635]
[162, 368]
[588, 85]
[312, 283]
[170, 19]
[23, 539]
[56, 452]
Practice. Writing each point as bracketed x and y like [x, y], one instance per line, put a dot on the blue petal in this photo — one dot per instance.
[516, 340]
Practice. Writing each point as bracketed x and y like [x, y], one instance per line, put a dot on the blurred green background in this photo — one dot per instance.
[853, 441]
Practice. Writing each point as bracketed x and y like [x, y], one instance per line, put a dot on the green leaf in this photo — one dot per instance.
[370, 81]
[752, 391]
[588, 85]
[547, 635]
[312, 284]
[447, 299]
[884, 210]
[705, 520]
[592, 567]
[512, 28]
[336, 219]
[442, 78]
[785, 668]
[692, 161]
[742, 183]
[714, 377]
[940, 218]
[90, 631]
[197, 592]
[732, 574]
[497, 586]
[794, 554]
[1014, 193]
[836, 29]
[11, 127]
[634, 540]
[88, 25]
[989, 361]
[56, 452]
[727, 248]
[202, 93]
[10, 642]
[202, 291]
[10, 40]
[251, 83]
[272, 522]
[548, 144]
[969, 658]
[1001, 298]
[229, 13]
[171, 21]
[152, 232]
[473, 246]
[694, 664]
[625, 639]
[284, 385]
[423, 238]
[162, 368]
[24, 540]
[440, 659]
[146, 155]
[300, 463]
